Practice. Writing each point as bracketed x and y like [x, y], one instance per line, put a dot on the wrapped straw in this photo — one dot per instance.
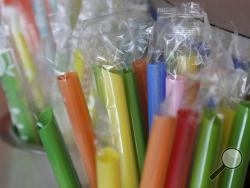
[158, 152]
[140, 69]
[206, 151]
[114, 98]
[76, 106]
[135, 118]
[18, 104]
[108, 168]
[56, 149]
[240, 140]
[183, 146]
[156, 76]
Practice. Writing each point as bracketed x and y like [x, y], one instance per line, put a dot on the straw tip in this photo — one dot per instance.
[45, 117]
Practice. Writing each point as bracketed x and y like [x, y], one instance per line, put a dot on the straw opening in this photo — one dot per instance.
[45, 118]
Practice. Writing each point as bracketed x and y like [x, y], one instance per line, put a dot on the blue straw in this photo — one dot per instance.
[156, 76]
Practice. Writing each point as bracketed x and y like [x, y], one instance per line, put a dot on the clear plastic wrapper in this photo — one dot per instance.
[117, 40]
[116, 106]
[181, 38]
[14, 84]
[81, 122]
[110, 44]
[97, 8]
[240, 61]
[221, 88]
[125, 36]
[24, 47]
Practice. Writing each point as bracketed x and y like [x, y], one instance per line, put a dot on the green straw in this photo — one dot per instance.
[135, 117]
[74, 10]
[18, 105]
[207, 148]
[56, 149]
[240, 140]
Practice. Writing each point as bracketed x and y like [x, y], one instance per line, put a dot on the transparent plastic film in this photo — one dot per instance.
[221, 88]
[181, 38]
[181, 42]
[117, 38]
[13, 84]
[56, 149]
[70, 88]
[110, 44]
[114, 98]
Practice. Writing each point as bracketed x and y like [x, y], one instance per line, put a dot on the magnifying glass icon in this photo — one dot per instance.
[231, 158]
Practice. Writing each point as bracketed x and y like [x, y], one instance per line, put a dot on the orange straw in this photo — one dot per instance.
[26, 6]
[76, 106]
[140, 69]
[158, 153]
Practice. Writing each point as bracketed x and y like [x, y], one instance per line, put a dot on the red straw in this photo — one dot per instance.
[181, 156]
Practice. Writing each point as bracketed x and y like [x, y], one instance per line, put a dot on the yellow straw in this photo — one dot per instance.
[186, 64]
[108, 168]
[228, 114]
[29, 68]
[79, 63]
[115, 101]
[25, 56]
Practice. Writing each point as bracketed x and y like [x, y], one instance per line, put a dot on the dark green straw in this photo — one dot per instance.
[135, 117]
[56, 149]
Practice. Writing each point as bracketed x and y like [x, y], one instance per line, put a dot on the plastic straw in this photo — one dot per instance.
[135, 118]
[79, 63]
[174, 93]
[76, 106]
[116, 105]
[228, 119]
[158, 152]
[140, 70]
[58, 155]
[52, 4]
[25, 56]
[41, 17]
[186, 64]
[27, 10]
[183, 145]
[29, 68]
[73, 11]
[240, 140]
[208, 144]
[156, 76]
[18, 105]
[108, 168]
